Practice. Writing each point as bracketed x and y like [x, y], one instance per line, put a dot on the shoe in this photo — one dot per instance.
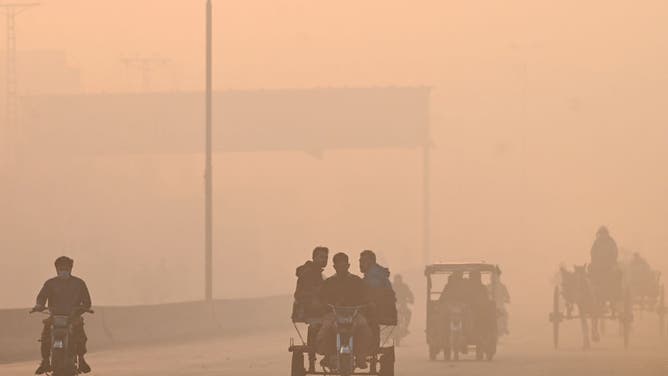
[44, 367]
[326, 362]
[361, 363]
[83, 366]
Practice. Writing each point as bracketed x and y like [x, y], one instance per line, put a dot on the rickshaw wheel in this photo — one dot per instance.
[297, 364]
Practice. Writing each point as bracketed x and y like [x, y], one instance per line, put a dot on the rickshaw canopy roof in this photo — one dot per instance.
[461, 266]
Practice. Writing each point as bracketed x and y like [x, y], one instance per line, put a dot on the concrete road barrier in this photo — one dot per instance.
[113, 326]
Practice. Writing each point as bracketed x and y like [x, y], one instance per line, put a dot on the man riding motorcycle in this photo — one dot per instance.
[501, 298]
[307, 307]
[63, 294]
[346, 290]
[404, 299]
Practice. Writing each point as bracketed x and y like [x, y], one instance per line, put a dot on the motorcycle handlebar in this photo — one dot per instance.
[46, 311]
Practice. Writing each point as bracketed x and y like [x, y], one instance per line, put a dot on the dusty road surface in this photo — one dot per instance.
[261, 355]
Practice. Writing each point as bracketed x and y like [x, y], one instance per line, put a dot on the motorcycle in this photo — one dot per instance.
[344, 361]
[401, 330]
[64, 360]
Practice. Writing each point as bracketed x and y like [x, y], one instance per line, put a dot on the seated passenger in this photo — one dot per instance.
[482, 307]
[344, 290]
[379, 289]
[454, 290]
[307, 307]
[309, 281]
[641, 277]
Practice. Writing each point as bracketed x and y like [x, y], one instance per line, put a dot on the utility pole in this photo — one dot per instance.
[208, 168]
[12, 87]
[145, 65]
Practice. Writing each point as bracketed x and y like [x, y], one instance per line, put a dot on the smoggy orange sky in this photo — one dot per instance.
[548, 118]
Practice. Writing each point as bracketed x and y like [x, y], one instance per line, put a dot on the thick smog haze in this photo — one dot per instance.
[547, 120]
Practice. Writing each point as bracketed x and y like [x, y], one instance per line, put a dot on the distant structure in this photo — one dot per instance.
[12, 10]
[145, 65]
[308, 120]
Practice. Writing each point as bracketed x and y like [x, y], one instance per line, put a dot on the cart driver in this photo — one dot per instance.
[604, 270]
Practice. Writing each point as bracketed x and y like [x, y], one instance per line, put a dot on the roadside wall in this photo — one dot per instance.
[113, 326]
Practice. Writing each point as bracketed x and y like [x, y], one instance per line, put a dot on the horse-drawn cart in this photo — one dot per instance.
[591, 298]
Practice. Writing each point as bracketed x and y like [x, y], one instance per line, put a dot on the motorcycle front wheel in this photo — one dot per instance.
[346, 366]
[62, 364]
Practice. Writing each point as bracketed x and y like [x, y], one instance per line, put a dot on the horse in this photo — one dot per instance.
[579, 291]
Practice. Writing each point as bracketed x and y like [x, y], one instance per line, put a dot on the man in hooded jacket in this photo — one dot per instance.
[308, 308]
[605, 273]
[380, 292]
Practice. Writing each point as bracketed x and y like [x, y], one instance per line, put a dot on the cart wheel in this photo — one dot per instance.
[661, 310]
[555, 317]
[298, 364]
[627, 318]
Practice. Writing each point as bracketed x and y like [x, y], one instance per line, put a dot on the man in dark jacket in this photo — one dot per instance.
[309, 282]
[375, 276]
[63, 295]
[484, 312]
[381, 294]
[605, 272]
[404, 297]
[604, 251]
[344, 290]
[307, 307]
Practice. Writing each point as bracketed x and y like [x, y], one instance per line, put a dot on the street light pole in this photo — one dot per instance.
[208, 184]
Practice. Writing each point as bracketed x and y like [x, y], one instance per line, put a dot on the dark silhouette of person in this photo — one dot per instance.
[405, 298]
[307, 307]
[604, 251]
[605, 274]
[383, 310]
[309, 282]
[477, 293]
[404, 295]
[344, 289]
[480, 303]
[501, 299]
[455, 289]
[641, 278]
[375, 276]
[63, 295]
